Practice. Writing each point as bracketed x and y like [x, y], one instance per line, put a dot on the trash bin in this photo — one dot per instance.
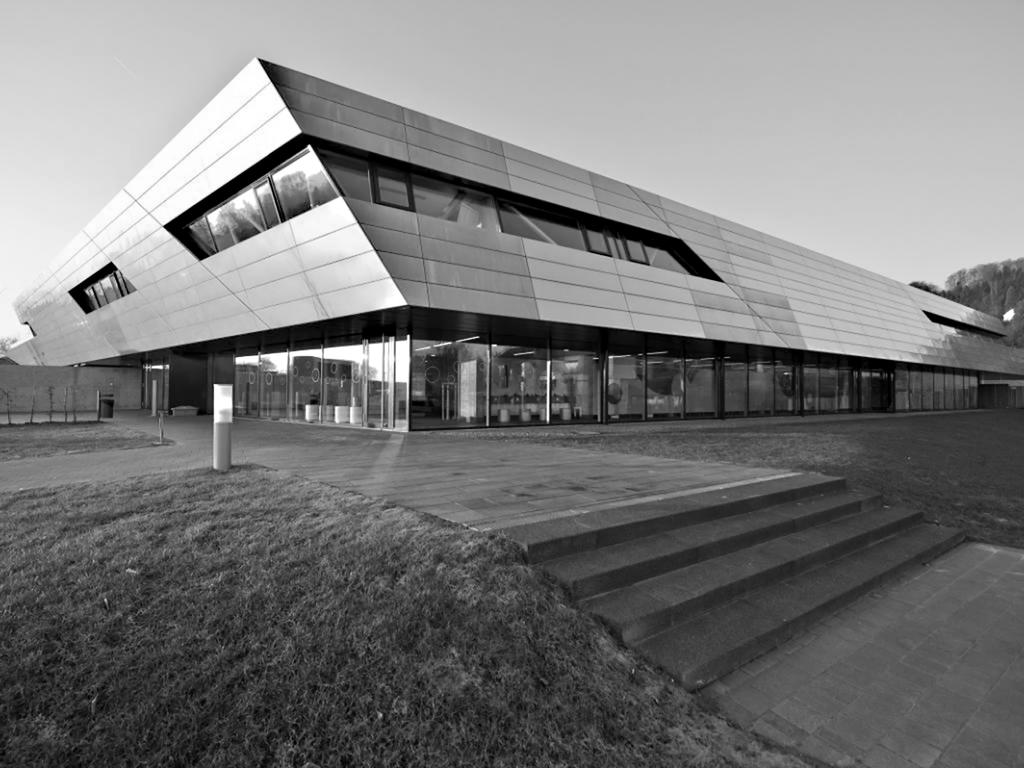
[106, 406]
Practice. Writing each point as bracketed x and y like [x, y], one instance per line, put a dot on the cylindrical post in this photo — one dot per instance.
[222, 400]
[152, 401]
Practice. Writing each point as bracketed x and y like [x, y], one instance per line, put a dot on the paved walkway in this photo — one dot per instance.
[485, 484]
[927, 673]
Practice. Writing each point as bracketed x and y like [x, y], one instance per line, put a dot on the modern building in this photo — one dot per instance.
[342, 259]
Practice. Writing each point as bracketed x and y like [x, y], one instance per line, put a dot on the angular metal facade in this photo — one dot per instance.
[349, 256]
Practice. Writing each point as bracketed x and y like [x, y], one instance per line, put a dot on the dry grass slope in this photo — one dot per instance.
[24, 441]
[256, 619]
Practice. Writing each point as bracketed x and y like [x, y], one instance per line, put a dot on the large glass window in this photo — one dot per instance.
[379, 371]
[351, 174]
[454, 203]
[700, 379]
[845, 386]
[809, 382]
[734, 369]
[666, 377]
[787, 385]
[950, 399]
[927, 389]
[302, 185]
[575, 384]
[759, 376]
[306, 383]
[343, 383]
[961, 389]
[535, 224]
[247, 385]
[449, 382]
[625, 392]
[914, 385]
[519, 382]
[274, 385]
[901, 388]
[827, 384]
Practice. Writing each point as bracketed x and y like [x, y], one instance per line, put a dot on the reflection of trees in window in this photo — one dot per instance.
[236, 220]
[302, 185]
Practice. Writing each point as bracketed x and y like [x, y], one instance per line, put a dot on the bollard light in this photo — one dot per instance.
[222, 411]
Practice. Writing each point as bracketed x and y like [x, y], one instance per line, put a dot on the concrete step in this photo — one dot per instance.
[715, 642]
[649, 606]
[557, 538]
[594, 571]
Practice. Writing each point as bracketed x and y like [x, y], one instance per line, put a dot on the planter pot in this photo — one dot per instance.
[341, 414]
[355, 415]
[503, 416]
[312, 413]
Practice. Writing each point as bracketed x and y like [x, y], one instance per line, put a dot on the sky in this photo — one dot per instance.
[886, 133]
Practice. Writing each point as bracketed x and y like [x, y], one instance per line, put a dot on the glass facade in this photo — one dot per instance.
[787, 383]
[666, 378]
[700, 380]
[519, 384]
[734, 370]
[575, 384]
[487, 380]
[760, 373]
[449, 382]
[625, 390]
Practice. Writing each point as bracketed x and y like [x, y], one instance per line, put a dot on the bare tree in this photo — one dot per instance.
[6, 342]
[32, 409]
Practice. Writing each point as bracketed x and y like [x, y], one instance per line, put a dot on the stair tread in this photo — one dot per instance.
[547, 539]
[687, 647]
[581, 565]
[692, 582]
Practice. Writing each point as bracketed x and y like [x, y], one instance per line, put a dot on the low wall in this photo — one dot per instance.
[66, 389]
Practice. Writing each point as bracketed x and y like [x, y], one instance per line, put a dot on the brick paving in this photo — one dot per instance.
[926, 673]
[485, 484]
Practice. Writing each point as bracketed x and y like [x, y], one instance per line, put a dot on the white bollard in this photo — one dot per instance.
[222, 402]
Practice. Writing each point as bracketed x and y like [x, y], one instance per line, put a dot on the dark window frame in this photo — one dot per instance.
[406, 177]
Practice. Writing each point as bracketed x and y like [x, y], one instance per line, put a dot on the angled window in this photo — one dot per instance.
[103, 287]
[318, 175]
[635, 251]
[597, 241]
[236, 220]
[268, 204]
[453, 202]
[201, 237]
[393, 187]
[293, 188]
[536, 224]
[351, 174]
[301, 185]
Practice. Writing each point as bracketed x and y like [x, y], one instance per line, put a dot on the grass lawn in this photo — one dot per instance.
[257, 619]
[962, 469]
[23, 441]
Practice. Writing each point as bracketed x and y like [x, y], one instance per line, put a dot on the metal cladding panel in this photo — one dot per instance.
[445, 146]
[350, 256]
